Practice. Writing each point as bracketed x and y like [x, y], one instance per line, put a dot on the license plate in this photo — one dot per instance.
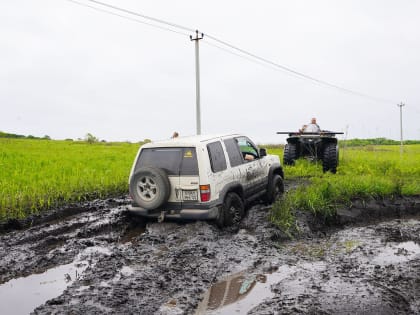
[189, 195]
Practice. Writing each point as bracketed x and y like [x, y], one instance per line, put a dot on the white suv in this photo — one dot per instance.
[203, 177]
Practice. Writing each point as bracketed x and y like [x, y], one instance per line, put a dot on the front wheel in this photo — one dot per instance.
[232, 210]
[289, 155]
[330, 158]
[275, 189]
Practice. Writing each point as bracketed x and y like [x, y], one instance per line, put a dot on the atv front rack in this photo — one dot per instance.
[321, 133]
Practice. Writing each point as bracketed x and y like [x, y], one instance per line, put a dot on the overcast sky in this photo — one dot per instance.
[66, 70]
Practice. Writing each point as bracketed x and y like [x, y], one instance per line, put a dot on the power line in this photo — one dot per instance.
[240, 56]
[127, 17]
[143, 16]
[242, 51]
[253, 60]
[299, 74]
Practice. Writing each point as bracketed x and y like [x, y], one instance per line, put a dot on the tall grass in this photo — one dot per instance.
[364, 172]
[39, 174]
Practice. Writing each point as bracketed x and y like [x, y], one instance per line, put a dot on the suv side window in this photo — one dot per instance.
[235, 156]
[217, 156]
[247, 148]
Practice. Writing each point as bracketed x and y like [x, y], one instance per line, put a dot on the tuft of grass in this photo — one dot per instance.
[41, 174]
[350, 245]
[364, 172]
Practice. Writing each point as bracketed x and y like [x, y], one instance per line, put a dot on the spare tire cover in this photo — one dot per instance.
[150, 187]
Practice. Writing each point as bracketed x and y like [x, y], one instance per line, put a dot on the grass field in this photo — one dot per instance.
[364, 172]
[39, 174]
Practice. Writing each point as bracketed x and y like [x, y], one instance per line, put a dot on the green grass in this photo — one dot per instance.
[364, 172]
[39, 174]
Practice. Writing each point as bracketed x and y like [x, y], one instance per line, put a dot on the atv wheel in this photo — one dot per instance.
[150, 187]
[330, 158]
[289, 155]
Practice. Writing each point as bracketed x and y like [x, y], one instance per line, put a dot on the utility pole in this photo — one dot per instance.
[197, 80]
[400, 105]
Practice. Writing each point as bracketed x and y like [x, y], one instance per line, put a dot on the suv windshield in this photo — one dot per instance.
[175, 161]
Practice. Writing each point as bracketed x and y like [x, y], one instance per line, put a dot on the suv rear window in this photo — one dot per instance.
[175, 161]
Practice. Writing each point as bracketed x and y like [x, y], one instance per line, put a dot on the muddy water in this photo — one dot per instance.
[353, 270]
[241, 292]
[38, 288]
[126, 265]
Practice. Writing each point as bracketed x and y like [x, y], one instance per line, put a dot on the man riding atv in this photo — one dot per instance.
[312, 127]
[313, 143]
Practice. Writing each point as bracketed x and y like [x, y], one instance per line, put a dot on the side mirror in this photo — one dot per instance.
[263, 152]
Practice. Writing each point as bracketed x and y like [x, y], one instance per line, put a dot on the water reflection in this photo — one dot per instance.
[35, 289]
[238, 292]
[38, 288]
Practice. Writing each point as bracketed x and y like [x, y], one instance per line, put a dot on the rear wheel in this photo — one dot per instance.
[231, 211]
[289, 155]
[330, 158]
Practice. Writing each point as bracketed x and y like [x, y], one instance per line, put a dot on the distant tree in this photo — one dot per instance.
[68, 139]
[46, 137]
[89, 138]
[10, 135]
[374, 141]
[147, 141]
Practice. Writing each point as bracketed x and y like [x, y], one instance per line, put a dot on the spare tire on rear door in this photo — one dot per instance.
[150, 187]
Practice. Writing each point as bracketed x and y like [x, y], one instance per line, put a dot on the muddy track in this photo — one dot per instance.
[123, 265]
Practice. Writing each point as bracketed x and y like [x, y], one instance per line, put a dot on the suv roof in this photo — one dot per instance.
[188, 140]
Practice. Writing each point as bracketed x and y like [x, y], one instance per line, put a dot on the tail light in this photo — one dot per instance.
[205, 192]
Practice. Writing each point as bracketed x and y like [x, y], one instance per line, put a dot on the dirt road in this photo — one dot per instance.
[104, 261]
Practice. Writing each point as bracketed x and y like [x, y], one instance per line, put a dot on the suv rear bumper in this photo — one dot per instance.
[191, 214]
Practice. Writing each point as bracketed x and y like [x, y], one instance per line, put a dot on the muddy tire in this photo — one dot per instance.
[231, 211]
[150, 187]
[330, 158]
[275, 189]
[289, 155]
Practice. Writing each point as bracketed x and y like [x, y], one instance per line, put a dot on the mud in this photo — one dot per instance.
[99, 259]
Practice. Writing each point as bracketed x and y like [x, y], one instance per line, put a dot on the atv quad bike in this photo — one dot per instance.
[313, 145]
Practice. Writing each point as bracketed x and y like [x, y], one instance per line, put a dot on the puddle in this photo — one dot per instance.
[397, 253]
[38, 288]
[131, 233]
[241, 292]
[35, 289]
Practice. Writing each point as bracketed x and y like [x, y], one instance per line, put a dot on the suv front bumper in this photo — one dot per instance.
[190, 214]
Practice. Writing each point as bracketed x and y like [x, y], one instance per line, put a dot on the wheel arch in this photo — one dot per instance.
[235, 187]
[275, 169]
